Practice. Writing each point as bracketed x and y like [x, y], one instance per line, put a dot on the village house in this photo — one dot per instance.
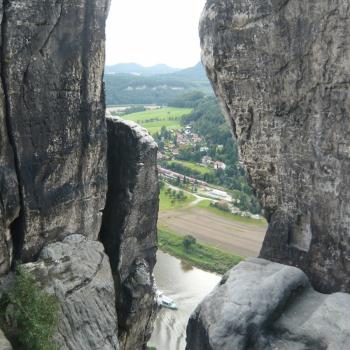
[219, 165]
[196, 138]
[206, 160]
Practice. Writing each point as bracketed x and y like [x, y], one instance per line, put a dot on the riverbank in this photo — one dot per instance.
[199, 255]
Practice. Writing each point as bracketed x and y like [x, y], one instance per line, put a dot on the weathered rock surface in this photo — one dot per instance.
[52, 60]
[53, 175]
[78, 272]
[129, 228]
[282, 72]
[4, 343]
[9, 191]
[261, 305]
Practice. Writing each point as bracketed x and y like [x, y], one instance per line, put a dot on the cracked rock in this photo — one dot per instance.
[281, 70]
[261, 305]
[52, 66]
[129, 228]
[78, 272]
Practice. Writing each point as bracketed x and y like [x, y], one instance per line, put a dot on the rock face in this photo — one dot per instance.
[78, 272]
[52, 61]
[53, 176]
[281, 70]
[9, 191]
[260, 305]
[129, 229]
[4, 343]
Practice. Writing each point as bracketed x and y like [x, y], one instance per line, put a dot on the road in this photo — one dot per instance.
[235, 237]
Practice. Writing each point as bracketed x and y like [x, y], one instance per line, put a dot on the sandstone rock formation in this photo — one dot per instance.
[78, 272]
[261, 305]
[9, 192]
[281, 70]
[52, 65]
[129, 229]
[53, 176]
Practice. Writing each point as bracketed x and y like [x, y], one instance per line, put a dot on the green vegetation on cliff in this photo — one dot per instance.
[29, 315]
[200, 255]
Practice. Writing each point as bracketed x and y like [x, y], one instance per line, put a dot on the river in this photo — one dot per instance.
[185, 284]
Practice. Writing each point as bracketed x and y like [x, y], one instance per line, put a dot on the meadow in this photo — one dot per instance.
[153, 120]
[200, 255]
[167, 203]
[193, 167]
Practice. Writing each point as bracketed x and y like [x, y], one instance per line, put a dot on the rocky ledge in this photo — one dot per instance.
[78, 272]
[261, 305]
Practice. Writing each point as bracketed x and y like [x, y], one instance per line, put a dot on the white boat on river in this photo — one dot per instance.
[165, 301]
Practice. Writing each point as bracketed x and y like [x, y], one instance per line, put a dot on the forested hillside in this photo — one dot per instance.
[128, 88]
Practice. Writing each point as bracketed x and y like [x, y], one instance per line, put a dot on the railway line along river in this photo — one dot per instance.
[187, 286]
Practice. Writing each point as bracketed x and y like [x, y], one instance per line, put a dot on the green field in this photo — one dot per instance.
[165, 201]
[153, 120]
[193, 166]
[200, 255]
[236, 218]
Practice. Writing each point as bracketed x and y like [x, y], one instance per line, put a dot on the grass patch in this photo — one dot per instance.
[200, 255]
[193, 166]
[153, 120]
[166, 202]
[236, 218]
[29, 315]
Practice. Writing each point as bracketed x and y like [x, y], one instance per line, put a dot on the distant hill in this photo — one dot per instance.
[137, 69]
[131, 88]
[193, 73]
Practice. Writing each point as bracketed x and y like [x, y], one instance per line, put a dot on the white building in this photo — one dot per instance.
[219, 165]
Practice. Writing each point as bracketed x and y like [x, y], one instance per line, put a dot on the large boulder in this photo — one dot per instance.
[281, 70]
[261, 305]
[52, 67]
[129, 228]
[78, 272]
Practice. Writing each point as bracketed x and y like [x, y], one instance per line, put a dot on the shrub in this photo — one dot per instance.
[188, 241]
[29, 315]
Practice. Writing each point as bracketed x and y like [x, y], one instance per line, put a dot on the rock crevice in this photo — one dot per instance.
[53, 176]
[129, 227]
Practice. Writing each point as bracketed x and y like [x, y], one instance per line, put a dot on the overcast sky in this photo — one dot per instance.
[154, 31]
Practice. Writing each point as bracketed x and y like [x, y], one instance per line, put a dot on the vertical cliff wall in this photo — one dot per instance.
[53, 176]
[129, 229]
[9, 192]
[52, 65]
[281, 70]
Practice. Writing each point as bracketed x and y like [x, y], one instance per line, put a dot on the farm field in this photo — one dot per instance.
[230, 234]
[166, 202]
[236, 218]
[153, 120]
[194, 167]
